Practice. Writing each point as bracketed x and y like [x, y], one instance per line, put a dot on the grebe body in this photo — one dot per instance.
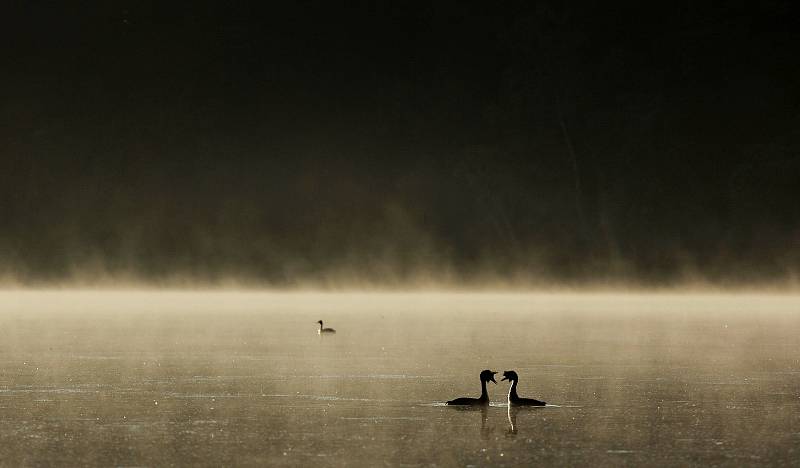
[324, 330]
[513, 398]
[483, 400]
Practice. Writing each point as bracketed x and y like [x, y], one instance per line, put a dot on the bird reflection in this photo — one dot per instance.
[512, 421]
[486, 429]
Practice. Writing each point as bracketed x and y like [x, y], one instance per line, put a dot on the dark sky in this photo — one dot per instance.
[382, 142]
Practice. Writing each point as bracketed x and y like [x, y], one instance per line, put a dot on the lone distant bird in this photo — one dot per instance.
[324, 330]
[513, 398]
[486, 376]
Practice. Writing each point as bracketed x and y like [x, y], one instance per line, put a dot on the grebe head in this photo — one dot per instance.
[488, 376]
[510, 375]
[319, 322]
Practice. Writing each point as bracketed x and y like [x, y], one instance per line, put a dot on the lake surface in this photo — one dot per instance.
[243, 379]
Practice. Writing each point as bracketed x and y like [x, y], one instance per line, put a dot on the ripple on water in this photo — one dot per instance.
[201, 395]
[370, 376]
[46, 390]
[494, 405]
[384, 418]
[321, 397]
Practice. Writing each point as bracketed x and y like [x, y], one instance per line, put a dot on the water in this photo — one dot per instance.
[243, 379]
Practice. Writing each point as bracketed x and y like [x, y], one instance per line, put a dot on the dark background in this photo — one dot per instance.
[391, 143]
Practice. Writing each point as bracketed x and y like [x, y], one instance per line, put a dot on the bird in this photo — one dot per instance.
[324, 330]
[486, 376]
[513, 398]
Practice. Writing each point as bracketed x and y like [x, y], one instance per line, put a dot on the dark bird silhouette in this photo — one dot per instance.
[324, 330]
[486, 376]
[513, 398]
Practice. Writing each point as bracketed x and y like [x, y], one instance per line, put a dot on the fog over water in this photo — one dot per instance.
[283, 146]
[129, 378]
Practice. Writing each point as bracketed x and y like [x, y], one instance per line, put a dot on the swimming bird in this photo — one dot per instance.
[324, 330]
[513, 398]
[486, 376]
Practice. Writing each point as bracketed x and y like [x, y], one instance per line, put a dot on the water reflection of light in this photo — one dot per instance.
[512, 421]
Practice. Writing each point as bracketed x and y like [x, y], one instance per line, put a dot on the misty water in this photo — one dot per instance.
[238, 379]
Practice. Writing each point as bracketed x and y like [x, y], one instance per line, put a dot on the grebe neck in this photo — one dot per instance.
[484, 393]
[512, 392]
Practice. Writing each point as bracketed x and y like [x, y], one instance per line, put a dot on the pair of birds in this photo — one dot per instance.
[513, 398]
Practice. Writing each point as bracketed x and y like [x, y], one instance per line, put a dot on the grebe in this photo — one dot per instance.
[513, 398]
[486, 376]
[324, 330]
